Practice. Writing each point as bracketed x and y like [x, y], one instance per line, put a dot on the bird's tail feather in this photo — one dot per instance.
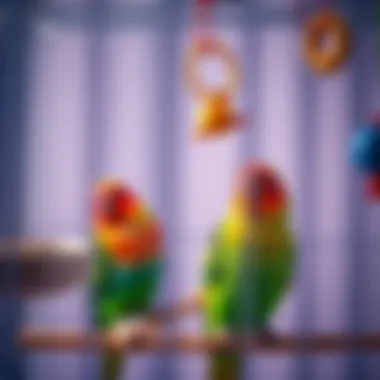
[225, 366]
[112, 365]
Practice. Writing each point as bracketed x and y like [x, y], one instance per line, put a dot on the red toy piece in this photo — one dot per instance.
[375, 119]
[372, 186]
[202, 13]
[373, 181]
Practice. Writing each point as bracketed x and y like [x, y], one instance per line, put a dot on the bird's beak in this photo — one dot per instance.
[271, 203]
[264, 204]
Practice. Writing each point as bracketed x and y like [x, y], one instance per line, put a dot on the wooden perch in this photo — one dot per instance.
[74, 340]
[149, 338]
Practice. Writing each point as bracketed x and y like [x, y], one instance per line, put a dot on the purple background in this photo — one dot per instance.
[134, 121]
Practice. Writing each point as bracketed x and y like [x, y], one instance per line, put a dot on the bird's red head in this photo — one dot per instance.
[114, 203]
[261, 189]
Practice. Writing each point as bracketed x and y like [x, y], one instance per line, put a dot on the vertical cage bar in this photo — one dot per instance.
[95, 82]
[306, 250]
[250, 139]
[250, 50]
[95, 125]
[358, 244]
[167, 163]
[13, 96]
[374, 213]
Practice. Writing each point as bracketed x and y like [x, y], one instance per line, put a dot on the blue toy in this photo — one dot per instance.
[365, 155]
[365, 149]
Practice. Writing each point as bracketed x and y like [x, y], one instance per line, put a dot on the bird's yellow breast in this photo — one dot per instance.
[265, 233]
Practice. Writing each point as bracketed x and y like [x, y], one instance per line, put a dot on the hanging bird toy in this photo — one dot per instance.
[365, 154]
[215, 115]
[327, 41]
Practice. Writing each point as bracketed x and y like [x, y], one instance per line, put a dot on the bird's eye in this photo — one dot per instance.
[110, 204]
[252, 188]
[268, 184]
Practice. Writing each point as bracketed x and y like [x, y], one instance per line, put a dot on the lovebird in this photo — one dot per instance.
[249, 263]
[128, 245]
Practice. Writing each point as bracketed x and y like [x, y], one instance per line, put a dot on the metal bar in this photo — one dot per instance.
[307, 240]
[95, 127]
[168, 158]
[14, 65]
[95, 85]
[358, 243]
[249, 149]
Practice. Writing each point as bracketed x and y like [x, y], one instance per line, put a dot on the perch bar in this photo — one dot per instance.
[75, 340]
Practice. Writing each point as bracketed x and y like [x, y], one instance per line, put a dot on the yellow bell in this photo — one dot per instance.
[216, 116]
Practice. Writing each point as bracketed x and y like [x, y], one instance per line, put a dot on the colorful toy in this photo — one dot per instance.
[215, 115]
[249, 263]
[327, 41]
[365, 154]
[128, 246]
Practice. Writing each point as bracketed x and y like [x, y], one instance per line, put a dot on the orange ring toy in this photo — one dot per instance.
[321, 27]
[196, 52]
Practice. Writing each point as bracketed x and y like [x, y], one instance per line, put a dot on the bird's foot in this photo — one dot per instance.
[220, 334]
[126, 331]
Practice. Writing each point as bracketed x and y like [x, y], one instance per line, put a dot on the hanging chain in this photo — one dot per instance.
[202, 17]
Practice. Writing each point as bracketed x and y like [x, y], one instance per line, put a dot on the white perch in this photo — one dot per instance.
[42, 266]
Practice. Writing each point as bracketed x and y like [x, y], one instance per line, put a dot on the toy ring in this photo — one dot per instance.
[324, 26]
[215, 47]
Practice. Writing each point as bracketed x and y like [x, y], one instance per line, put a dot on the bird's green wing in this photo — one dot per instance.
[244, 283]
[120, 292]
[273, 274]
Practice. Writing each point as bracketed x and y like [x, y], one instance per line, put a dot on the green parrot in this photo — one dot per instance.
[128, 246]
[249, 263]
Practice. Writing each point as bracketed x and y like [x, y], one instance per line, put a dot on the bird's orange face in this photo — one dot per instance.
[114, 204]
[261, 190]
[117, 224]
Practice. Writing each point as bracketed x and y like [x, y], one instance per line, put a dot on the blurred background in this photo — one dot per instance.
[94, 88]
